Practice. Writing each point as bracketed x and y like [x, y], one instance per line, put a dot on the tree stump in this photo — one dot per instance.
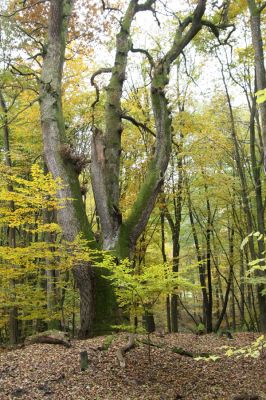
[84, 361]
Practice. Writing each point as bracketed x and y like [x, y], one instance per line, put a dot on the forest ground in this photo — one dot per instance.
[45, 371]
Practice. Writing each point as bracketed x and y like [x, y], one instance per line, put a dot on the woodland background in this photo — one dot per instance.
[132, 130]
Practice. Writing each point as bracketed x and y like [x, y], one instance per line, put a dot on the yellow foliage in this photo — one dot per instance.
[30, 197]
[24, 267]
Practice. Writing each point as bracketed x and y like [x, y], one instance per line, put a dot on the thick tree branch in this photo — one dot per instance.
[138, 124]
[182, 38]
[146, 53]
[151, 186]
[147, 6]
[216, 28]
[106, 146]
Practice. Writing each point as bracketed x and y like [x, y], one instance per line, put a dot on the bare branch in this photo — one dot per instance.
[29, 34]
[23, 9]
[185, 23]
[19, 72]
[21, 111]
[94, 84]
[262, 7]
[147, 54]
[138, 124]
[216, 28]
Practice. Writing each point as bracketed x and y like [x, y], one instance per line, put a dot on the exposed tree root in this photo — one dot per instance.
[120, 354]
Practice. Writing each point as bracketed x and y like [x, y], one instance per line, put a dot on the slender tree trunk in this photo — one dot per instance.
[231, 235]
[208, 263]
[242, 289]
[168, 306]
[225, 299]
[174, 297]
[175, 225]
[13, 312]
[224, 305]
[217, 300]
[247, 210]
[233, 308]
[205, 299]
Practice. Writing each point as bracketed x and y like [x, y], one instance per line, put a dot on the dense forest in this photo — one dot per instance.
[132, 158]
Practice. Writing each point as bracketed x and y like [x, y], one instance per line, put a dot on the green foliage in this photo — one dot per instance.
[200, 328]
[138, 291]
[108, 342]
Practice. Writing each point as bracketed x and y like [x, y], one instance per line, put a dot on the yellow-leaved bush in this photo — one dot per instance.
[35, 268]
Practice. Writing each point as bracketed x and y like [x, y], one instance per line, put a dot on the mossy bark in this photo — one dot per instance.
[257, 42]
[72, 217]
[118, 235]
[247, 210]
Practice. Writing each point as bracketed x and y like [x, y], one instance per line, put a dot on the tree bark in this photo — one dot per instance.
[257, 42]
[201, 268]
[168, 304]
[256, 168]
[208, 264]
[13, 312]
[118, 235]
[175, 226]
[72, 217]
[246, 207]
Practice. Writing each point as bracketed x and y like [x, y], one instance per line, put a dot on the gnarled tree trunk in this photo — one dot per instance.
[119, 235]
[72, 218]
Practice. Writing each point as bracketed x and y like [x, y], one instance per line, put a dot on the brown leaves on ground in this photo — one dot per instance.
[43, 371]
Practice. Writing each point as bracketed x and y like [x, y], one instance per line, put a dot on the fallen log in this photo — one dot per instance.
[49, 337]
[183, 352]
[177, 350]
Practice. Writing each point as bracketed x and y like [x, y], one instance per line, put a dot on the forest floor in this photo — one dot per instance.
[45, 371]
